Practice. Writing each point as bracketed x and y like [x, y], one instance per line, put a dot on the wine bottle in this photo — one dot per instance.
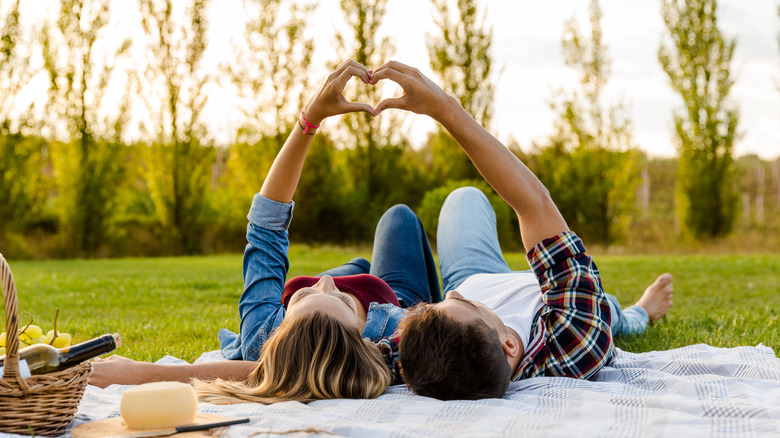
[43, 358]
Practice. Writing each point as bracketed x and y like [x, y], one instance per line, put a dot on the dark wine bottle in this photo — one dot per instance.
[43, 358]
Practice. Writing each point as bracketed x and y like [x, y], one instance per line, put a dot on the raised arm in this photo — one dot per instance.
[572, 337]
[282, 179]
[538, 216]
[265, 259]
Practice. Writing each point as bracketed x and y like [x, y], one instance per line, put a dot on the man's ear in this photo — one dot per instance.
[511, 346]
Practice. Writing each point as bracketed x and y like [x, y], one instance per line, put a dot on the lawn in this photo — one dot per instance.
[176, 305]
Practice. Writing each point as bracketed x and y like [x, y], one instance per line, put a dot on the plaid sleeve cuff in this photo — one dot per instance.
[551, 251]
[388, 347]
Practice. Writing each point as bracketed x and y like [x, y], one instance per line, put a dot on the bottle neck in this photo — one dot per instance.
[87, 350]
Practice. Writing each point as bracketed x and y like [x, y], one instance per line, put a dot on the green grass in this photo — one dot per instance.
[176, 305]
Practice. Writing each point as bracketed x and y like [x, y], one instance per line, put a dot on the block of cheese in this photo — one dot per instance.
[158, 405]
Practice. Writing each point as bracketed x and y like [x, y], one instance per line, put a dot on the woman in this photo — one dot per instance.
[304, 340]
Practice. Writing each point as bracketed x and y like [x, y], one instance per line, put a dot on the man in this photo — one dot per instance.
[490, 328]
[554, 322]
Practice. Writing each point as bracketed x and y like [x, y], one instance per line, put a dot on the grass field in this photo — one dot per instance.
[176, 305]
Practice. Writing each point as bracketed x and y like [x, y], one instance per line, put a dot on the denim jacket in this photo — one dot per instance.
[265, 271]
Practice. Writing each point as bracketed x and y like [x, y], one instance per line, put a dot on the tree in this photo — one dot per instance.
[460, 56]
[24, 185]
[590, 164]
[178, 164]
[321, 190]
[272, 80]
[697, 59]
[15, 68]
[21, 160]
[272, 77]
[86, 163]
[461, 60]
[367, 173]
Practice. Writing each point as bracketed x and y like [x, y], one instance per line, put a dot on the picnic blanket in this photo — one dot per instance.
[698, 390]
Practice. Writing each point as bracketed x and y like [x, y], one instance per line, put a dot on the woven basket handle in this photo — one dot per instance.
[11, 362]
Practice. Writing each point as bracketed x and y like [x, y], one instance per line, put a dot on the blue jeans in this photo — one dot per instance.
[468, 244]
[401, 257]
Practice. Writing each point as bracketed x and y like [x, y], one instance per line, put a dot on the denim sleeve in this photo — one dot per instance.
[382, 320]
[265, 269]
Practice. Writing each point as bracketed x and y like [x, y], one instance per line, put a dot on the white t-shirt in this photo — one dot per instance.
[514, 296]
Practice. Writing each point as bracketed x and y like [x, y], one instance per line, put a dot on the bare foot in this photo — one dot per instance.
[657, 299]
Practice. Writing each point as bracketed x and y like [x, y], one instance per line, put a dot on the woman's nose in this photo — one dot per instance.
[325, 284]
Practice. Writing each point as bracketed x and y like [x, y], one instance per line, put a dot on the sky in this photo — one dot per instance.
[527, 51]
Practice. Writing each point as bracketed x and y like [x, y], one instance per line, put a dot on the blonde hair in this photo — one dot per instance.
[310, 357]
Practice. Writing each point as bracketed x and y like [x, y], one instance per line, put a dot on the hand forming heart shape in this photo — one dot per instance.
[420, 94]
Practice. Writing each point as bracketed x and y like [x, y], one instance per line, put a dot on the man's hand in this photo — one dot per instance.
[421, 95]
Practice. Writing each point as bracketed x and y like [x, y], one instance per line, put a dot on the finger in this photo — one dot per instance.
[341, 67]
[392, 74]
[393, 102]
[395, 65]
[347, 64]
[382, 67]
[351, 107]
[348, 73]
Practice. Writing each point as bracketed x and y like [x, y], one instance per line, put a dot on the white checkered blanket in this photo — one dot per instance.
[698, 390]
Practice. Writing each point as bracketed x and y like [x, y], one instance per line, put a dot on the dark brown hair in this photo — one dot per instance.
[451, 360]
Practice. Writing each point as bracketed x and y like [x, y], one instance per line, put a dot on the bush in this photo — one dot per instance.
[506, 221]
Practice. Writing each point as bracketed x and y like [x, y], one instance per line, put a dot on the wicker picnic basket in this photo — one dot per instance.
[42, 405]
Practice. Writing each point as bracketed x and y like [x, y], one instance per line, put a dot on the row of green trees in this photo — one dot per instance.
[73, 186]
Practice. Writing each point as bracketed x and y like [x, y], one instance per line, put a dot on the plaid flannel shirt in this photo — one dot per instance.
[571, 335]
[388, 346]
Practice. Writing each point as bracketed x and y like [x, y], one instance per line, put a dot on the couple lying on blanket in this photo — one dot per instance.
[355, 329]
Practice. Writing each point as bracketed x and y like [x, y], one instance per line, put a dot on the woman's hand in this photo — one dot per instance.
[119, 370]
[421, 95]
[329, 100]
